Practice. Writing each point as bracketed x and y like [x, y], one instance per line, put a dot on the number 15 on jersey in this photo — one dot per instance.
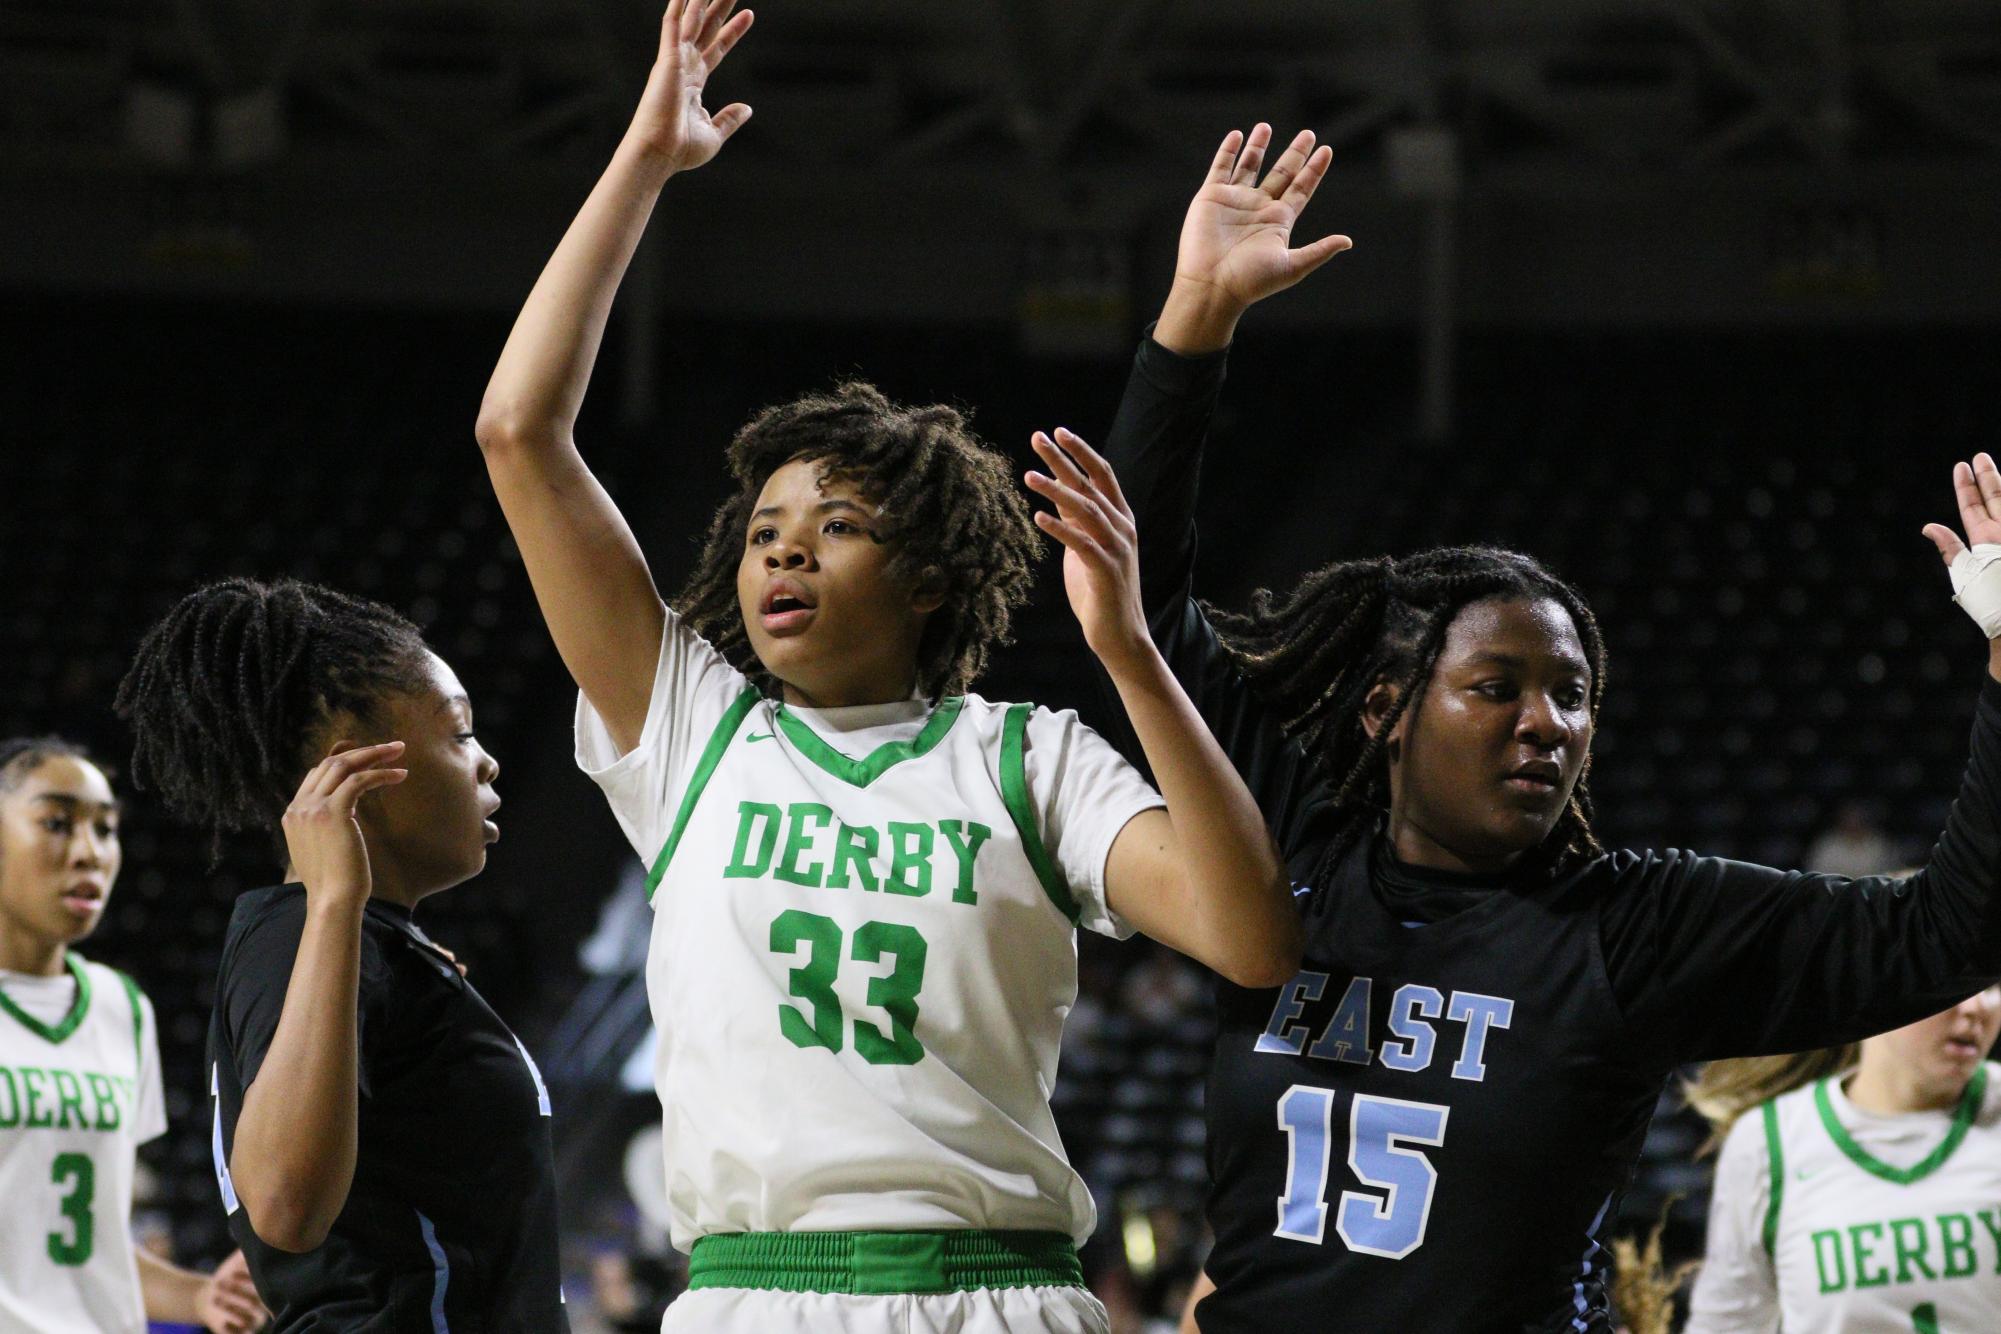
[1381, 1132]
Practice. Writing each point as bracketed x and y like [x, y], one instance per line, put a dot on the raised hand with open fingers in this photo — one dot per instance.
[671, 122]
[1100, 544]
[1236, 239]
[1975, 564]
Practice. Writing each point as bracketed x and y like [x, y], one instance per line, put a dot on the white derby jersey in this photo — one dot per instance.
[863, 948]
[1831, 1220]
[79, 1093]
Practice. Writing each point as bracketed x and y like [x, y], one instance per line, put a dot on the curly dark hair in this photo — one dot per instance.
[949, 507]
[1315, 655]
[229, 692]
[22, 755]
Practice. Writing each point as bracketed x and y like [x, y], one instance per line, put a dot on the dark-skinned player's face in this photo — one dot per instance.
[826, 612]
[1482, 769]
[437, 823]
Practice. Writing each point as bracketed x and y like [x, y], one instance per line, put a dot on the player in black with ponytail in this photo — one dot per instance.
[1429, 1127]
[382, 1138]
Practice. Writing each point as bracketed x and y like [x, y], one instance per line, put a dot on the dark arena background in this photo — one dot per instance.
[1698, 301]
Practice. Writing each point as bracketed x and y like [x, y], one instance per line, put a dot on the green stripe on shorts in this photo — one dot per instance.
[884, 1263]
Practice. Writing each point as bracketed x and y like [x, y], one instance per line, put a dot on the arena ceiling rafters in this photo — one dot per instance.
[407, 108]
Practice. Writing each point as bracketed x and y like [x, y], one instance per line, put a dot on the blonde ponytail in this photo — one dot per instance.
[1725, 1090]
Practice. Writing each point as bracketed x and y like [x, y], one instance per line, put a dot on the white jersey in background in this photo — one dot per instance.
[79, 1093]
[863, 948]
[1830, 1220]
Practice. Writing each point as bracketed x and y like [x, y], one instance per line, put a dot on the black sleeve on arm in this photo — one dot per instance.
[1155, 446]
[253, 993]
[1713, 958]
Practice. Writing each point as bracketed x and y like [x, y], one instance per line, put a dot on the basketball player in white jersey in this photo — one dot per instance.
[80, 1086]
[865, 881]
[1869, 1200]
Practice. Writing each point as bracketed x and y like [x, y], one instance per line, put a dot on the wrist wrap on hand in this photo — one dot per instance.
[1976, 585]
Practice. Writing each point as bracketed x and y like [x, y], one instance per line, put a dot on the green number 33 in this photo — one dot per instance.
[80, 1174]
[895, 993]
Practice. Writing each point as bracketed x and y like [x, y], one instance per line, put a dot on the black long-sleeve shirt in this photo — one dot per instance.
[1429, 1127]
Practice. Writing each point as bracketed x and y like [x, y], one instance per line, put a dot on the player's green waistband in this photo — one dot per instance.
[883, 1263]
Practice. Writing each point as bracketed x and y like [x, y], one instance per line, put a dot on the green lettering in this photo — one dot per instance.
[76, 1171]
[747, 815]
[1991, 1220]
[813, 983]
[1826, 1247]
[69, 1094]
[29, 1074]
[854, 849]
[896, 994]
[909, 852]
[965, 838]
[1863, 1256]
[1959, 1257]
[800, 822]
[105, 1094]
[1911, 1255]
[10, 1100]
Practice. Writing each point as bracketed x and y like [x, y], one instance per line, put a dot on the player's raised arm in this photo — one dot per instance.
[1204, 875]
[590, 577]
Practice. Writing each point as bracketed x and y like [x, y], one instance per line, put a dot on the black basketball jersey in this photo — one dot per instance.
[1429, 1126]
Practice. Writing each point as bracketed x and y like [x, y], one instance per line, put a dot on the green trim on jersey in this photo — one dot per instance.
[884, 1263]
[1014, 792]
[712, 755]
[883, 758]
[1962, 1121]
[69, 1022]
[138, 1021]
[1776, 1153]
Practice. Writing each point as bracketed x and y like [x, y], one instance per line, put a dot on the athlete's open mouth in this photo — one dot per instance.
[787, 607]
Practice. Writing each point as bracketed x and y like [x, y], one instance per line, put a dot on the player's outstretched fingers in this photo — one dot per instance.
[1061, 463]
[1987, 480]
[1225, 160]
[1290, 163]
[1253, 156]
[725, 40]
[1106, 505]
[1099, 469]
[1073, 539]
[1311, 172]
[1074, 506]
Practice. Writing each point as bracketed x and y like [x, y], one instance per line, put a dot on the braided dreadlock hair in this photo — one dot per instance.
[1315, 654]
[22, 755]
[949, 507]
[230, 691]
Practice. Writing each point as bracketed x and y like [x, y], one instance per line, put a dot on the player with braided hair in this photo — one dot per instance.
[865, 884]
[80, 1084]
[1430, 1125]
[1318, 654]
[381, 1137]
